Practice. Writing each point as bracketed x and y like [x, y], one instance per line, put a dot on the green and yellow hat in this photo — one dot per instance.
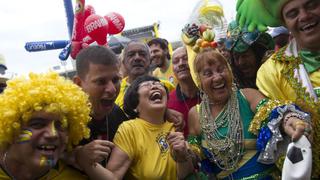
[240, 39]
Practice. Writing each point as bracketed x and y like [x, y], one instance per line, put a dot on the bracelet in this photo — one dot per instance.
[187, 157]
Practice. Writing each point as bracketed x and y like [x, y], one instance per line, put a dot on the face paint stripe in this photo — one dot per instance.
[53, 128]
[25, 136]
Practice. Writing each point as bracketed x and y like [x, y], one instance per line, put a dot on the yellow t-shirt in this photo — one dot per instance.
[148, 149]
[272, 84]
[124, 85]
[62, 173]
[168, 75]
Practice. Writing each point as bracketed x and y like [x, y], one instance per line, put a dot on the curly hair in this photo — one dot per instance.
[47, 92]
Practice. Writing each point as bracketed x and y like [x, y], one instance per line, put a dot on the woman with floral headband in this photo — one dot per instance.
[234, 132]
[293, 72]
[40, 117]
[248, 50]
[225, 131]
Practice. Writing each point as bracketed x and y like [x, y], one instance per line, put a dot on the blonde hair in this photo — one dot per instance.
[47, 92]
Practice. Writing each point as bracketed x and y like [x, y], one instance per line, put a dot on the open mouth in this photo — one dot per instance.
[309, 26]
[47, 148]
[137, 65]
[155, 96]
[183, 70]
[219, 86]
[107, 102]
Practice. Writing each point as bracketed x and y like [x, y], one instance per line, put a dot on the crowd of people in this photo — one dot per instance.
[223, 110]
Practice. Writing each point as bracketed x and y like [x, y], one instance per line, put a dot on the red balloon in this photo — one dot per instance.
[97, 28]
[115, 21]
[75, 48]
[88, 11]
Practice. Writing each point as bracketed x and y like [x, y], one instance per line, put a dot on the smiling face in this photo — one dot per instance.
[157, 55]
[246, 63]
[214, 75]
[180, 64]
[102, 84]
[302, 18]
[136, 59]
[152, 96]
[41, 141]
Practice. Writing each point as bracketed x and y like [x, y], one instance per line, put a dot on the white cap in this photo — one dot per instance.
[274, 32]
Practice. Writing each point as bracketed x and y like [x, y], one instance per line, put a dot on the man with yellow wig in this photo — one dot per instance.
[40, 117]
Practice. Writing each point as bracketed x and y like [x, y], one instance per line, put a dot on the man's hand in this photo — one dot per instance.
[176, 118]
[93, 152]
[295, 128]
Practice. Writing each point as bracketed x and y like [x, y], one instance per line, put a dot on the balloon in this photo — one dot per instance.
[89, 10]
[78, 31]
[116, 22]
[87, 40]
[75, 48]
[97, 28]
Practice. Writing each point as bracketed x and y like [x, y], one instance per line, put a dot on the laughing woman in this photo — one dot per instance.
[231, 142]
[146, 147]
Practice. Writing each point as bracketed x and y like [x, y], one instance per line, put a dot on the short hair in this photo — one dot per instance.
[131, 97]
[163, 43]
[47, 92]
[211, 55]
[96, 55]
[125, 49]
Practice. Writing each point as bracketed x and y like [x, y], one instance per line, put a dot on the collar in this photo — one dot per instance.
[183, 97]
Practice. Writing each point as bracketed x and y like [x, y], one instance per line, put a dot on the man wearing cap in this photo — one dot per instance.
[293, 72]
[247, 52]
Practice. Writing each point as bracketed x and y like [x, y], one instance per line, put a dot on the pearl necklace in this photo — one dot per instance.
[226, 150]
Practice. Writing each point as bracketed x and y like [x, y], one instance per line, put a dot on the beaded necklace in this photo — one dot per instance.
[226, 149]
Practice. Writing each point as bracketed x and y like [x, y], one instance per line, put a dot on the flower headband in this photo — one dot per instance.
[198, 37]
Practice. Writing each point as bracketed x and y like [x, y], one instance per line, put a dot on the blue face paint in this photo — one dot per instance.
[25, 136]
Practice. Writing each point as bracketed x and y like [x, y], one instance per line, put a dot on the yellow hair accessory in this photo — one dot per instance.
[48, 92]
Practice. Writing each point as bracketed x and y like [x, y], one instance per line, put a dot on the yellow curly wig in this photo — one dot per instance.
[48, 92]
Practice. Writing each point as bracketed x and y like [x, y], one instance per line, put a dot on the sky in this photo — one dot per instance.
[41, 20]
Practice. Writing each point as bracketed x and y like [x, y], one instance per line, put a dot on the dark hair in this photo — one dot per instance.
[131, 97]
[163, 43]
[95, 55]
[259, 52]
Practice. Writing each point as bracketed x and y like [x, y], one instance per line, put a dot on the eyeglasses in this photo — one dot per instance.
[149, 84]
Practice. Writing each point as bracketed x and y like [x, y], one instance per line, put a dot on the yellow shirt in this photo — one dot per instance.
[147, 148]
[62, 173]
[272, 84]
[167, 75]
[124, 85]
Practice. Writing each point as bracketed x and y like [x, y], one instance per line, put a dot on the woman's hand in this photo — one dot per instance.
[179, 149]
[295, 127]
